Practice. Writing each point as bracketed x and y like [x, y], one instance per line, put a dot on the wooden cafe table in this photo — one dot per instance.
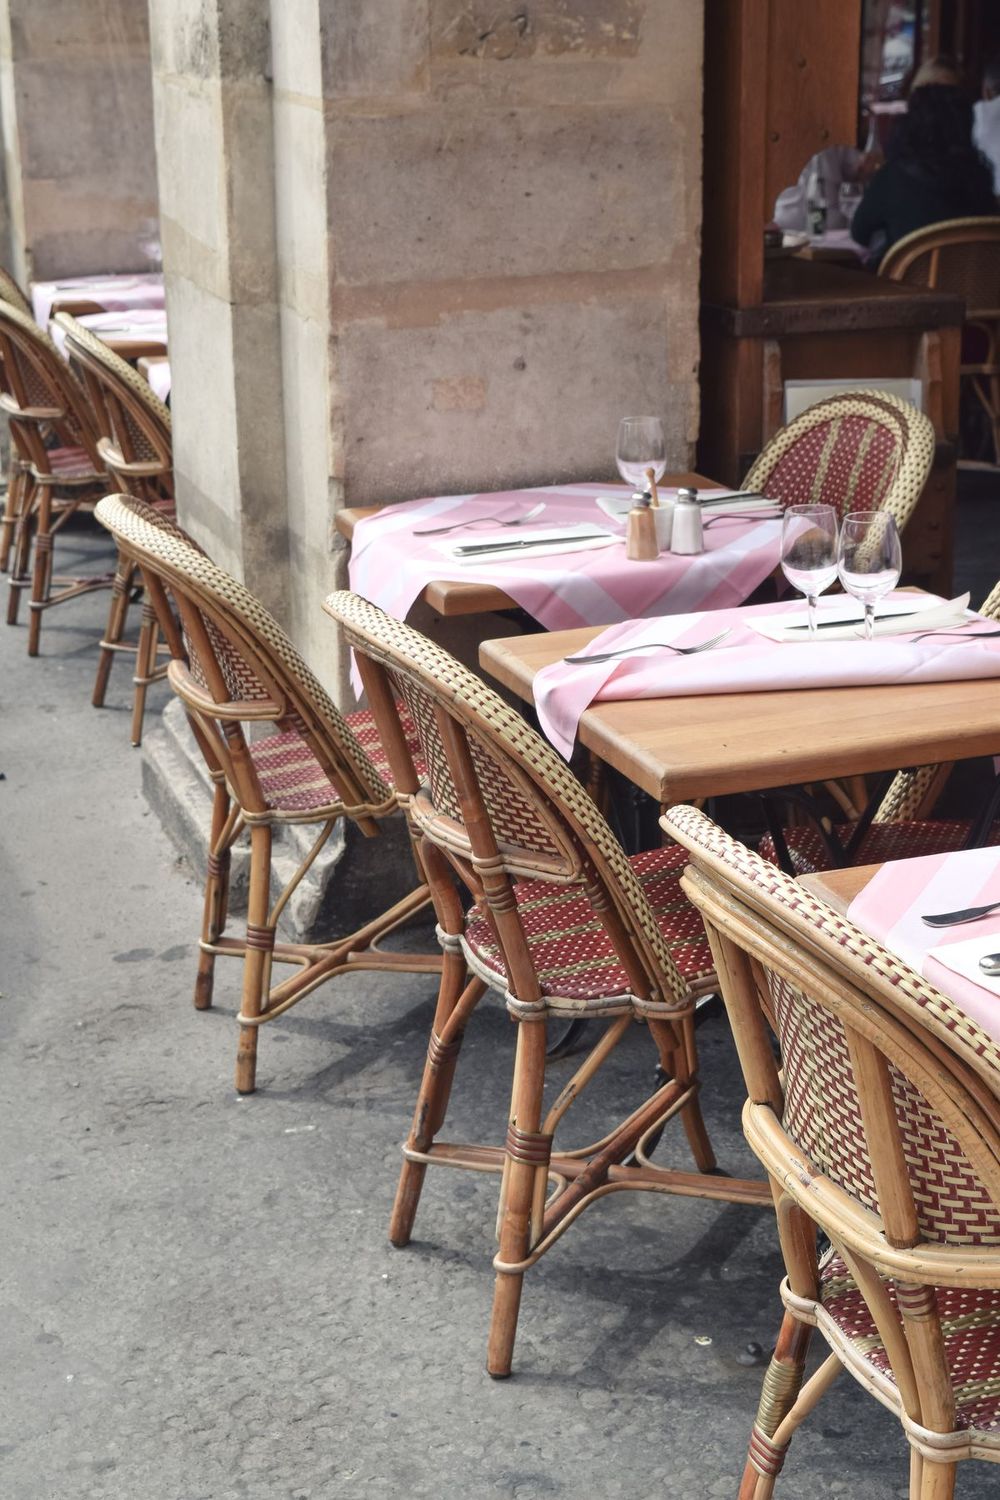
[450, 597]
[680, 748]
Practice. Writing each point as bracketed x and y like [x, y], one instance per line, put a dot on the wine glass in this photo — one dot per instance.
[809, 552]
[870, 559]
[641, 446]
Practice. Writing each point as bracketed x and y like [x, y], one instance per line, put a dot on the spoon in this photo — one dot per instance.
[956, 918]
[990, 963]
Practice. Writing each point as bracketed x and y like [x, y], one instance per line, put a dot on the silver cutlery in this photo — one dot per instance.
[565, 543]
[982, 635]
[529, 515]
[732, 495]
[990, 963]
[712, 641]
[746, 515]
[956, 918]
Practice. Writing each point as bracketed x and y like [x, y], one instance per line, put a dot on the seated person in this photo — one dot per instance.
[934, 172]
[986, 121]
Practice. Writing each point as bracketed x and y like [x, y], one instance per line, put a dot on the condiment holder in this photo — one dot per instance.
[686, 535]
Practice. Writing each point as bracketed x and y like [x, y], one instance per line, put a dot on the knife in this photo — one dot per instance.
[898, 614]
[474, 549]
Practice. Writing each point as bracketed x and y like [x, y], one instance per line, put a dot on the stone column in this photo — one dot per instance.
[77, 120]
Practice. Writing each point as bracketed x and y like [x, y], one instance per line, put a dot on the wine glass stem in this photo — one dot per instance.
[869, 621]
[811, 601]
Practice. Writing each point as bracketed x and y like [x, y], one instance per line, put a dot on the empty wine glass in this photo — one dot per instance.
[640, 447]
[870, 559]
[809, 552]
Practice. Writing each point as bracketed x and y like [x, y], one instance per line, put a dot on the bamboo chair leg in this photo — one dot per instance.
[778, 1397]
[115, 629]
[455, 994]
[17, 482]
[519, 1178]
[41, 578]
[24, 528]
[679, 1059]
[149, 636]
[257, 963]
[937, 1481]
[216, 898]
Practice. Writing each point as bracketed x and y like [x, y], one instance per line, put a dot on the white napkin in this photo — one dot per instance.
[963, 959]
[617, 507]
[896, 619]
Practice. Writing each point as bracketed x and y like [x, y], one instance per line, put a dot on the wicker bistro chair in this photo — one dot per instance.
[901, 827]
[863, 451]
[563, 925]
[17, 470]
[883, 1131]
[135, 444]
[43, 402]
[234, 665]
[961, 256]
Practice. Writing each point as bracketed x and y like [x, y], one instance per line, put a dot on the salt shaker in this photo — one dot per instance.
[641, 544]
[686, 534]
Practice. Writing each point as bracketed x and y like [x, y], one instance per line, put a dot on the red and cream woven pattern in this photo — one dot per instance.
[863, 451]
[572, 954]
[882, 841]
[970, 1323]
[507, 751]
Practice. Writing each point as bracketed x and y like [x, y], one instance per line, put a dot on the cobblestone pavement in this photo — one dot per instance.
[198, 1298]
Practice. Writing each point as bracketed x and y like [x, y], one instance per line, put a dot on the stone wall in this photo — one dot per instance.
[412, 248]
[76, 115]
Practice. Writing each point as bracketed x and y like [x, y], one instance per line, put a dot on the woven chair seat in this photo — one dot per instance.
[883, 841]
[292, 779]
[970, 1323]
[73, 463]
[363, 726]
[571, 951]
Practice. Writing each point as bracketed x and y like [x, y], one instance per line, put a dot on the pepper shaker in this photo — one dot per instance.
[641, 544]
[687, 538]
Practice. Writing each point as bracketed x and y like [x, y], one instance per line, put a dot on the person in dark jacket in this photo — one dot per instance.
[934, 172]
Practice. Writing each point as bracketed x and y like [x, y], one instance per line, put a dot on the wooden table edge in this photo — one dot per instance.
[838, 888]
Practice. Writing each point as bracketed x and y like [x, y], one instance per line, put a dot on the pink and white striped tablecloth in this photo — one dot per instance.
[115, 293]
[391, 567]
[746, 662]
[138, 322]
[890, 907]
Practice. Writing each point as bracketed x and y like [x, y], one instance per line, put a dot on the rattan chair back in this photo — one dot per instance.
[866, 450]
[39, 393]
[958, 255]
[133, 424]
[11, 292]
[241, 666]
[882, 1127]
[501, 805]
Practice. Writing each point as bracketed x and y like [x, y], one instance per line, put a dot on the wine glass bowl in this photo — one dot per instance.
[809, 552]
[870, 559]
[641, 446]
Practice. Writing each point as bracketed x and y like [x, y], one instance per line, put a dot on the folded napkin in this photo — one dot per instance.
[617, 507]
[745, 662]
[896, 619]
[890, 906]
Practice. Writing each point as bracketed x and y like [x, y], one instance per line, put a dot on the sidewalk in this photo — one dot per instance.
[199, 1300]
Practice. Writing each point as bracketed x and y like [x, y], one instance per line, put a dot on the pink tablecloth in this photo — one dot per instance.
[392, 567]
[890, 907]
[745, 663]
[139, 322]
[115, 293]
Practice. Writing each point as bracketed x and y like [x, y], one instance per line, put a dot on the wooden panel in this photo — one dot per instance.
[838, 888]
[812, 85]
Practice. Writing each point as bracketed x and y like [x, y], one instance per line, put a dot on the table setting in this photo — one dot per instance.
[940, 914]
[115, 292]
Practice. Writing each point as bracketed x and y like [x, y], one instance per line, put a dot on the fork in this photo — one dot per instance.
[529, 515]
[713, 640]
